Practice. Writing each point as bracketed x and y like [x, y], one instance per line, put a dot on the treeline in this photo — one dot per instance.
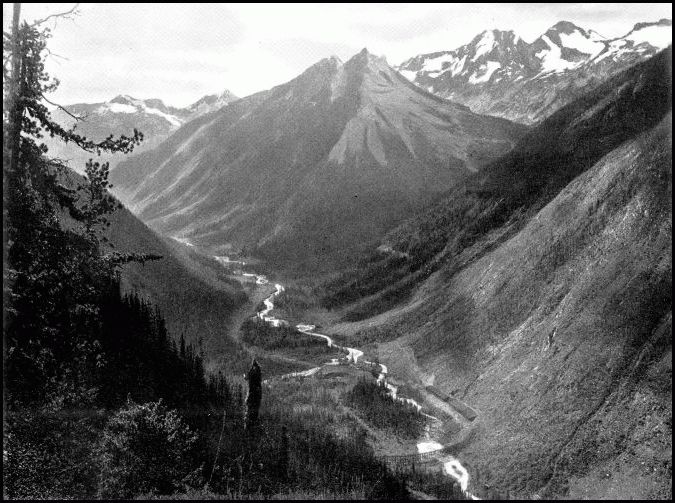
[372, 400]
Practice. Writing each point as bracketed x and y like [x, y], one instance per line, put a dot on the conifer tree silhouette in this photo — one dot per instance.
[254, 396]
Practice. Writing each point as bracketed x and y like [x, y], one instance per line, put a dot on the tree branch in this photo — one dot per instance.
[50, 53]
[62, 108]
[66, 15]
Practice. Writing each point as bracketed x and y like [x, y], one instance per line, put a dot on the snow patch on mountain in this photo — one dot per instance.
[128, 105]
[408, 74]
[660, 36]
[643, 35]
[116, 108]
[210, 103]
[171, 118]
[436, 64]
[551, 58]
[458, 66]
[587, 45]
[486, 44]
[488, 69]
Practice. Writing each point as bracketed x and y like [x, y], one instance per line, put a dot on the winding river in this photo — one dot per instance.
[451, 465]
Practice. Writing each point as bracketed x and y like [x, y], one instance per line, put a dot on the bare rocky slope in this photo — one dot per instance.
[500, 74]
[547, 308]
[306, 172]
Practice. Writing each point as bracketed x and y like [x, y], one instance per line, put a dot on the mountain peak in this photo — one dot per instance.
[356, 129]
[332, 62]
[657, 34]
[485, 36]
[226, 94]
[661, 22]
[156, 103]
[497, 32]
[495, 61]
[364, 59]
[211, 102]
[566, 27]
[366, 55]
[123, 99]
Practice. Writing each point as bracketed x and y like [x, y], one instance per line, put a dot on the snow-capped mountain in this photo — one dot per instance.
[310, 170]
[490, 55]
[121, 115]
[210, 103]
[128, 105]
[498, 73]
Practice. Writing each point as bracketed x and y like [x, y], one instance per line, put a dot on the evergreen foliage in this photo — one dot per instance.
[256, 332]
[53, 276]
[145, 449]
[254, 397]
[383, 411]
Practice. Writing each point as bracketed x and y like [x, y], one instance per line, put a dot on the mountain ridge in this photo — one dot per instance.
[500, 74]
[336, 155]
[121, 115]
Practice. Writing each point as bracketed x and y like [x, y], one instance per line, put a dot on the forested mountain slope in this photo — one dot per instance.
[192, 291]
[545, 304]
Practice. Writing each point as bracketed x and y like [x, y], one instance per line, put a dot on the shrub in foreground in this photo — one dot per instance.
[145, 449]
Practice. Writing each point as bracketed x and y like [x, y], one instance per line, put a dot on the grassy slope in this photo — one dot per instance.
[590, 258]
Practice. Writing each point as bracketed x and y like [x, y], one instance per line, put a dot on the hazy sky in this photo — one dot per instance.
[179, 52]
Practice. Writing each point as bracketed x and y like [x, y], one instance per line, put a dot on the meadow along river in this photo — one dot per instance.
[451, 465]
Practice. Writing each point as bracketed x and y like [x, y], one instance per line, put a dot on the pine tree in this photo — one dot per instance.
[54, 277]
[254, 396]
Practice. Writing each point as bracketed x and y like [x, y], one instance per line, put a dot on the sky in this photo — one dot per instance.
[181, 52]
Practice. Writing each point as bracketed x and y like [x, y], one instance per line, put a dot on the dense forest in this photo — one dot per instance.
[258, 333]
[380, 409]
[100, 399]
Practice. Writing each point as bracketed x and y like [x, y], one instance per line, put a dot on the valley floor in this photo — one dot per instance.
[324, 389]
